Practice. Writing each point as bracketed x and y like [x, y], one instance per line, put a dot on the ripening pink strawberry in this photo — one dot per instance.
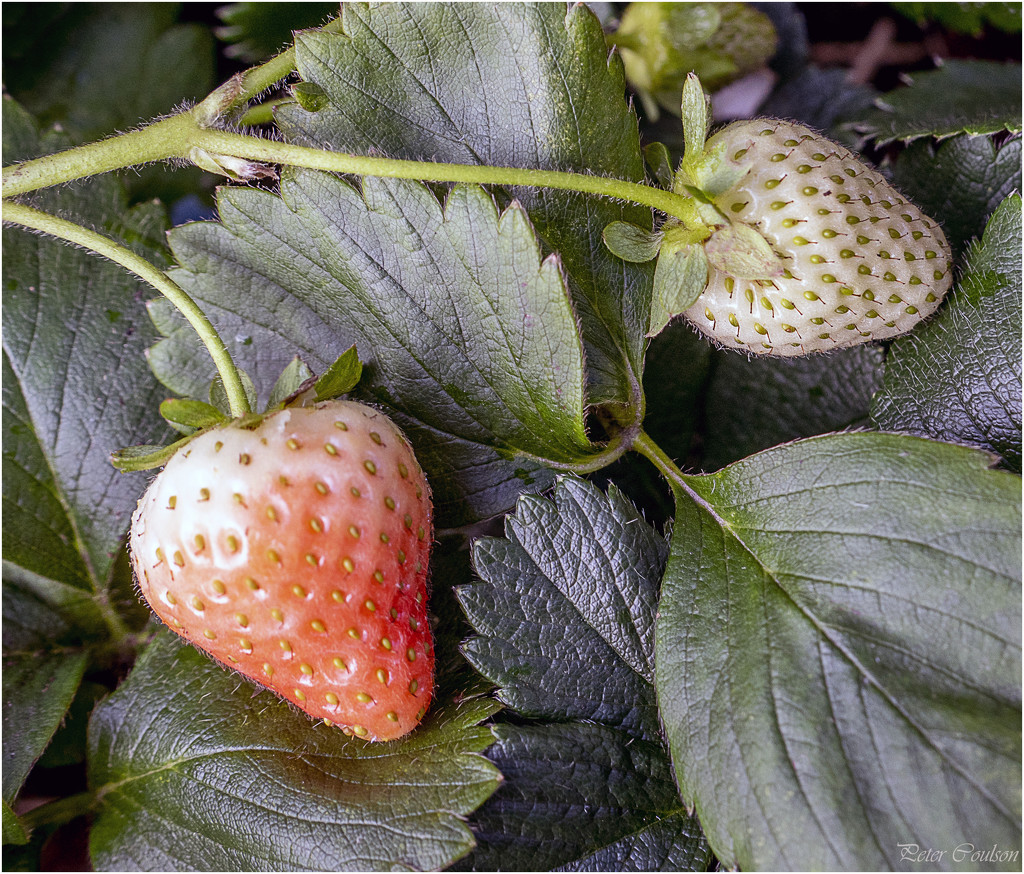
[294, 548]
[856, 261]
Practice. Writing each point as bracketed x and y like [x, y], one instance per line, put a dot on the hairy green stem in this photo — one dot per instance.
[175, 137]
[644, 445]
[676, 478]
[268, 151]
[618, 446]
[28, 217]
[119, 632]
[261, 113]
[159, 141]
[60, 811]
[178, 135]
[256, 80]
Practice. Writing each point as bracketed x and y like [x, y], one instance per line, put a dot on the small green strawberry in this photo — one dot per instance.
[661, 43]
[294, 547]
[855, 260]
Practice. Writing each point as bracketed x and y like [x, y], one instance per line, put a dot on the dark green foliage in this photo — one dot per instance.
[817, 646]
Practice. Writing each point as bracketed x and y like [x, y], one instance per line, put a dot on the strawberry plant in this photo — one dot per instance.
[418, 456]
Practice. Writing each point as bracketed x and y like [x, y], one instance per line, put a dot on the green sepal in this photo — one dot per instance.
[310, 96]
[740, 251]
[630, 242]
[716, 174]
[711, 175]
[696, 111]
[219, 397]
[694, 192]
[658, 159]
[294, 379]
[146, 457]
[704, 209]
[679, 279]
[341, 377]
[188, 416]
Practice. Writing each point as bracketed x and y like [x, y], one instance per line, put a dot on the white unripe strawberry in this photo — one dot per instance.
[857, 261]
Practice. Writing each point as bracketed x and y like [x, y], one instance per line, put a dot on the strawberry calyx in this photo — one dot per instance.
[703, 175]
[297, 386]
[187, 415]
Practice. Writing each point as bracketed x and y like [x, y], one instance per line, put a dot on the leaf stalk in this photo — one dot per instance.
[160, 141]
[175, 138]
[645, 446]
[60, 811]
[62, 229]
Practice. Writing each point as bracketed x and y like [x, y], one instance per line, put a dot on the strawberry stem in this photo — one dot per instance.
[258, 79]
[177, 136]
[120, 634]
[158, 141]
[259, 149]
[60, 811]
[62, 229]
[646, 447]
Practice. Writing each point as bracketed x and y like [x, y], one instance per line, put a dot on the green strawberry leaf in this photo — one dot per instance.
[564, 622]
[341, 377]
[960, 182]
[756, 403]
[576, 797]
[255, 31]
[75, 383]
[972, 97]
[468, 334]
[31, 494]
[75, 386]
[839, 653]
[969, 18]
[508, 84]
[15, 833]
[958, 377]
[40, 678]
[69, 743]
[196, 772]
[97, 68]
